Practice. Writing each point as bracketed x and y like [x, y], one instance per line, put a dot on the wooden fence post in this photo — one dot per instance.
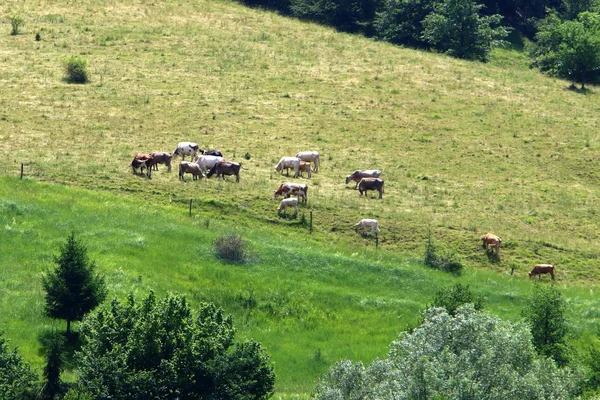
[190, 207]
[310, 221]
[21, 170]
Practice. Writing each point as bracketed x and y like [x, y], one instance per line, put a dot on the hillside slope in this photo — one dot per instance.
[465, 148]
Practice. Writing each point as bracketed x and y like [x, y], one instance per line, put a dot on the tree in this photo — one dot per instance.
[455, 27]
[400, 21]
[345, 15]
[452, 298]
[52, 370]
[472, 355]
[16, 378]
[159, 349]
[569, 49]
[545, 314]
[72, 288]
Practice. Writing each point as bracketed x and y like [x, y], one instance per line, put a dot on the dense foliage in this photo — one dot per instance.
[470, 356]
[72, 288]
[15, 376]
[159, 349]
[454, 297]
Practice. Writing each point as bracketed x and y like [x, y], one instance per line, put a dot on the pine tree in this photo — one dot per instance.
[72, 288]
[52, 370]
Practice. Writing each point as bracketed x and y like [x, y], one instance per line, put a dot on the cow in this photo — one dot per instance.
[161, 157]
[357, 175]
[310, 156]
[207, 162]
[305, 167]
[366, 184]
[191, 168]
[368, 223]
[223, 168]
[542, 269]
[491, 242]
[212, 153]
[186, 149]
[142, 161]
[288, 189]
[287, 163]
[285, 203]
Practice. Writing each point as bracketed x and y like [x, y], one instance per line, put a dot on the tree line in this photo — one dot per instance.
[564, 35]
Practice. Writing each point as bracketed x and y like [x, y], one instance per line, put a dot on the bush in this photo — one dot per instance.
[16, 22]
[76, 69]
[452, 298]
[444, 261]
[231, 248]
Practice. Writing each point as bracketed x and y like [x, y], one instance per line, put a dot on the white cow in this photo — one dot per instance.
[186, 149]
[287, 163]
[285, 203]
[207, 162]
[368, 223]
[310, 156]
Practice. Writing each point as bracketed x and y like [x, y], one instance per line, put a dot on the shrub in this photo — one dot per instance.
[231, 248]
[444, 261]
[454, 297]
[16, 22]
[76, 69]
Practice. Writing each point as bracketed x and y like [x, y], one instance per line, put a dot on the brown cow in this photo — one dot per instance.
[190, 168]
[161, 157]
[223, 168]
[288, 189]
[366, 184]
[142, 161]
[491, 242]
[542, 269]
[305, 167]
[357, 175]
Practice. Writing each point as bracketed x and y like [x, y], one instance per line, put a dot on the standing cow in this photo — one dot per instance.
[190, 168]
[367, 184]
[207, 162]
[491, 242]
[223, 168]
[310, 156]
[368, 223]
[540, 269]
[288, 189]
[287, 163]
[357, 175]
[186, 149]
[161, 157]
[285, 203]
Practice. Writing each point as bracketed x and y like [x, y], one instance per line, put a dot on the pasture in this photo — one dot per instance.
[465, 149]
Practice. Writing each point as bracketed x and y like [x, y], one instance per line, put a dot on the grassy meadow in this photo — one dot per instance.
[465, 148]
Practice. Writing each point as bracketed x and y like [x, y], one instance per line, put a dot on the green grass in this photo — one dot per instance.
[314, 303]
[466, 148]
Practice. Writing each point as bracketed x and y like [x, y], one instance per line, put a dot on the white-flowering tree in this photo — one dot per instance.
[472, 355]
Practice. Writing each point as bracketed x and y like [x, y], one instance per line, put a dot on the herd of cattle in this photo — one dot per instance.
[210, 162]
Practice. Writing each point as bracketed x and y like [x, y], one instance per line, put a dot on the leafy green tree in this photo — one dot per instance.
[344, 15]
[569, 49]
[400, 21]
[456, 296]
[455, 27]
[72, 288]
[160, 350]
[16, 378]
[545, 313]
[52, 370]
[472, 355]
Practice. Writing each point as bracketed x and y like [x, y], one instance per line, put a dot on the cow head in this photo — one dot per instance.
[348, 179]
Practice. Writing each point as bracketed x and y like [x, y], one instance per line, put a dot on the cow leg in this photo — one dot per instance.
[237, 177]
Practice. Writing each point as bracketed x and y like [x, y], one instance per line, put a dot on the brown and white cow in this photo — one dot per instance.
[310, 156]
[491, 242]
[367, 184]
[288, 189]
[161, 157]
[190, 168]
[357, 175]
[305, 167]
[186, 149]
[142, 161]
[223, 168]
[542, 269]
[287, 163]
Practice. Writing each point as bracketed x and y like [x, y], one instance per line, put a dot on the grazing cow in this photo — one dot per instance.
[190, 168]
[305, 167]
[287, 163]
[310, 156]
[366, 184]
[207, 162]
[542, 269]
[288, 189]
[142, 161]
[186, 149]
[285, 203]
[212, 153]
[491, 242]
[357, 175]
[368, 223]
[160, 157]
[223, 168]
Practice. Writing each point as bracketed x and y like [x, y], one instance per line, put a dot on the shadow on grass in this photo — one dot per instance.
[494, 258]
[580, 90]
[68, 345]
